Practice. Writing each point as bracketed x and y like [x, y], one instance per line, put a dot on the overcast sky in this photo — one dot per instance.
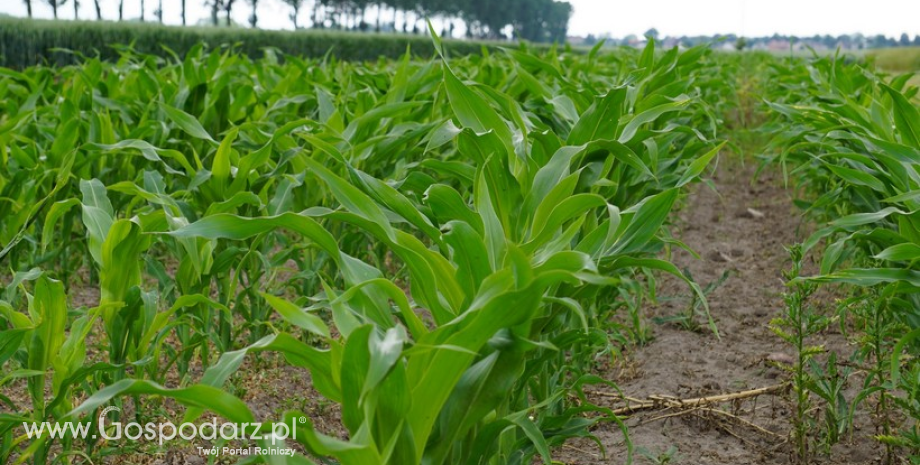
[617, 17]
[747, 17]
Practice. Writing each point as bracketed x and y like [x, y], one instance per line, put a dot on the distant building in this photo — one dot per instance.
[778, 45]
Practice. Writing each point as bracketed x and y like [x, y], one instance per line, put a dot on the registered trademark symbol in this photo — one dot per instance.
[302, 420]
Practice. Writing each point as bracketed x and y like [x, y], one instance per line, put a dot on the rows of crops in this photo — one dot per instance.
[849, 139]
[25, 43]
[448, 248]
[441, 243]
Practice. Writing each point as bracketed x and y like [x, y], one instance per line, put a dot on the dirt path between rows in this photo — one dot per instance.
[749, 244]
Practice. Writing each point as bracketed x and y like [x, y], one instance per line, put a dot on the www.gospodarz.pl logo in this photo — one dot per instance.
[162, 432]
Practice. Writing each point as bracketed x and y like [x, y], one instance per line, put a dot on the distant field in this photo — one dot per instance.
[901, 59]
[898, 60]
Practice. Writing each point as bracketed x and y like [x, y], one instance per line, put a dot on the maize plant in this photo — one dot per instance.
[852, 138]
[441, 243]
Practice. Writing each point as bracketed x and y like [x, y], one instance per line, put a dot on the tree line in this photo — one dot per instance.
[844, 41]
[533, 20]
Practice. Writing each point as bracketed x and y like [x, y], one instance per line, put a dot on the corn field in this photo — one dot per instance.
[448, 249]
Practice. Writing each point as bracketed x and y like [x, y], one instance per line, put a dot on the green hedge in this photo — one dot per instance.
[29, 42]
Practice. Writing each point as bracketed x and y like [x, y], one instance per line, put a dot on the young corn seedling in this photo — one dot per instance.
[860, 178]
[689, 319]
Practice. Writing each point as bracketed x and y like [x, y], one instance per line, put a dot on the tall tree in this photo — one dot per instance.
[28, 6]
[359, 8]
[55, 4]
[536, 20]
[314, 16]
[216, 6]
[121, 9]
[98, 10]
[558, 21]
[183, 12]
[379, 5]
[296, 5]
[450, 11]
[76, 9]
[143, 9]
[254, 17]
[159, 12]
[228, 8]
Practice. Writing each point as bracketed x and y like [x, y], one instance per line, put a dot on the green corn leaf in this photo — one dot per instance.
[284, 195]
[351, 197]
[697, 166]
[566, 210]
[397, 202]
[10, 342]
[600, 120]
[907, 251]
[858, 219]
[198, 396]
[349, 453]
[319, 362]
[186, 122]
[474, 112]
[148, 151]
[389, 290]
[297, 316]
[649, 116]
[470, 254]
[227, 226]
[645, 223]
[220, 168]
[870, 277]
[858, 178]
[447, 205]
[48, 309]
[480, 390]
[906, 117]
[57, 210]
[533, 433]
